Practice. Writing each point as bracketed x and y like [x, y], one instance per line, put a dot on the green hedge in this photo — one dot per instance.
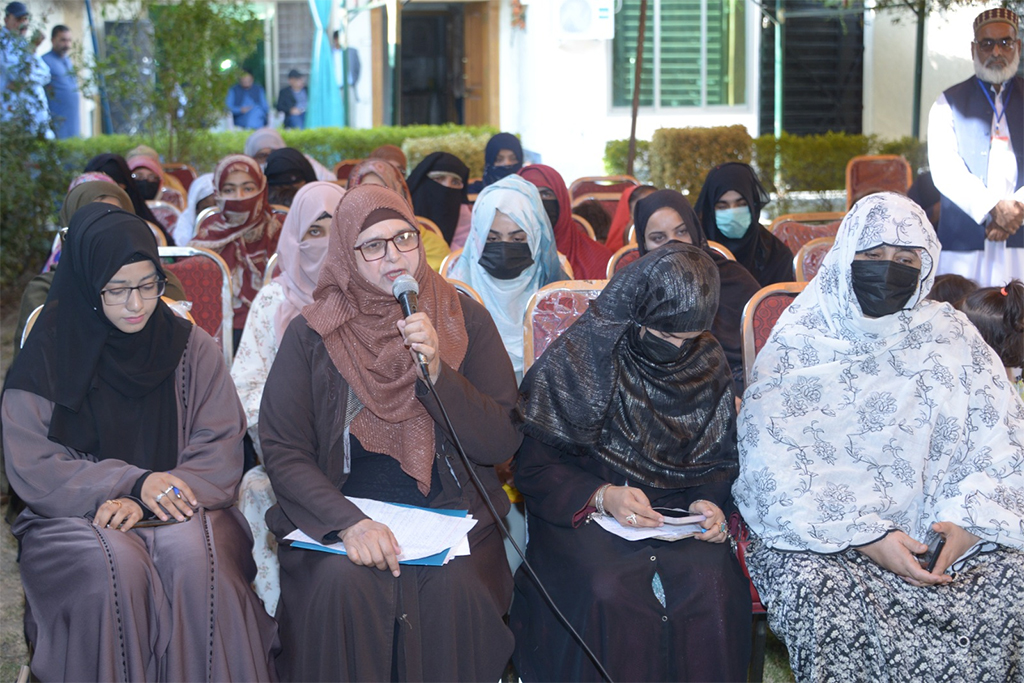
[326, 145]
[681, 157]
[616, 154]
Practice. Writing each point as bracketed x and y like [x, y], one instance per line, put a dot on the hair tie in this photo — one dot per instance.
[1003, 291]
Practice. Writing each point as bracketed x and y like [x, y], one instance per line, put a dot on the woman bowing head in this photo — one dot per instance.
[345, 414]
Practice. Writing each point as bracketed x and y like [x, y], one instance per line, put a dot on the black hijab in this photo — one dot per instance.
[114, 392]
[116, 167]
[433, 200]
[737, 284]
[759, 251]
[287, 166]
[595, 393]
[492, 173]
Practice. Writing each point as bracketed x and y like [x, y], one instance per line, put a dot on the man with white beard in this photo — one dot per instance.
[976, 154]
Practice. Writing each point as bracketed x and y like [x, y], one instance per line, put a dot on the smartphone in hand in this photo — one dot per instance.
[935, 542]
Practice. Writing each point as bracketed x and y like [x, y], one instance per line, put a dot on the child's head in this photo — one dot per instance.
[950, 288]
[998, 313]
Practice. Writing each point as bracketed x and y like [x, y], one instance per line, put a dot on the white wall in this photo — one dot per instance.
[889, 66]
[557, 96]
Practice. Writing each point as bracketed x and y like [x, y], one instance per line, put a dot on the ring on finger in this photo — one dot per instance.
[168, 489]
[115, 502]
[724, 528]
[632, 519]
[161, 495]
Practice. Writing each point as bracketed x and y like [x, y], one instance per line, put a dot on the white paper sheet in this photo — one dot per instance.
[667, 532]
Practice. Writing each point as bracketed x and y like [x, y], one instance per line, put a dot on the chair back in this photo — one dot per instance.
[808, 259]
[161, 238]
[32, 317]
[721, 249]
[207, 283]
[551, 311]
[584, 225]
[622, 258]
[615, 184]
[166, 213]
[173, 197]
[271, 271]
[609, 201]
[427, 224]
[206, 215]
[760, 315]
[466, 289]
[343, 168]
[183, 172]
[797, 229]
[869, 174]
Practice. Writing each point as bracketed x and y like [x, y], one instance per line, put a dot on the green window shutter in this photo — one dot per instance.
[680, 53]
[727, 52]
[627, 26]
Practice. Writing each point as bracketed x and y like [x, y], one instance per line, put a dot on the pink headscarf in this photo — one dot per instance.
[145, 162]
[300, 261]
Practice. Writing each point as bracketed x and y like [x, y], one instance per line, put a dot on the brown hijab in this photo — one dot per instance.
[384, 170]
[357, 322]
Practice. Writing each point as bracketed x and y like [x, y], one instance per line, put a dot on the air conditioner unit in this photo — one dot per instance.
[586, 19]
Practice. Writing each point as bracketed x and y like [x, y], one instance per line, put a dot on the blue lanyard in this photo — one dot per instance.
[1006, 98]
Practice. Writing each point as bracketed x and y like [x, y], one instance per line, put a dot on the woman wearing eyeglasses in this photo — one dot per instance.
[346, 415]
[123, 436]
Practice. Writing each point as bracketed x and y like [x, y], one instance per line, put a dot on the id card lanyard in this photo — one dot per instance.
[1007, 89]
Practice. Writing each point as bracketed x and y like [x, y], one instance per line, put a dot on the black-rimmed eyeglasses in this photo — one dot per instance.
[115, 296]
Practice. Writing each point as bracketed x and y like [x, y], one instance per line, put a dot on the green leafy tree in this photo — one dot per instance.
[176, 95]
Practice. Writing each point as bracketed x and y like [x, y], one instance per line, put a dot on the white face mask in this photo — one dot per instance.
[733, 223]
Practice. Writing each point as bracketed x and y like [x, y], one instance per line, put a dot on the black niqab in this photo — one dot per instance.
[116, 167]
[594, 393]
[737, 284]
[759, 251]
[114, 392]
[433, 200]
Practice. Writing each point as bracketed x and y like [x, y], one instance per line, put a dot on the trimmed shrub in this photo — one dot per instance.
[913, 150]
[616, 154]
[680, 158]
[809, 162]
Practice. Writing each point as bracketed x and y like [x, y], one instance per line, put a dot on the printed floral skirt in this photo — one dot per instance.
[844, 618]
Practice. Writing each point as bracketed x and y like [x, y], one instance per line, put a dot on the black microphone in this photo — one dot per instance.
[406, 290]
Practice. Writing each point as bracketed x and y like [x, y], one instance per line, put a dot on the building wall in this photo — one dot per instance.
[557, 95]
[889, 66]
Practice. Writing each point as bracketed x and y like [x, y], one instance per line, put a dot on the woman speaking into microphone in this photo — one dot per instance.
[345, 413]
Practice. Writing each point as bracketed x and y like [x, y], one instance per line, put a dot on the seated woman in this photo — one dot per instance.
[630, 412]
[171, 189]
[118, 415]
[202, 194]
[116, 167]
[875, 417]
[263, 141]
[729, 208]
[345, 414]
[385, 174]
[998, 313]
[665, 216]
[287, 170]
[503, 156]
[438, 189]
[150, 179]
[589, 260]
[510, 254]
[244, 233]
[301, 252]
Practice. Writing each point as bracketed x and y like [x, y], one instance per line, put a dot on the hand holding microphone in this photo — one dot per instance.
[417, 330]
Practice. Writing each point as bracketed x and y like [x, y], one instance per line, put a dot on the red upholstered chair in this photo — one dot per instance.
[173, 197]
[721, 249]
[207, 282]
[876, 173]
[808, 259]
[205, 215]
[622, 258]
[466, 289]
[609, 201]
[584, 225]
[551, 311]
[616, 184]
[344, 167]
[797, 229]
[166, 213]
[183, 172]
[759, 317]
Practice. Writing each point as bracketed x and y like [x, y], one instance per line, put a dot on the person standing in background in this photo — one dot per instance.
[293, 100]
[62, 90]
[248, 102]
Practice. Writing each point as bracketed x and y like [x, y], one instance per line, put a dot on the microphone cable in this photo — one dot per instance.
[504, 532]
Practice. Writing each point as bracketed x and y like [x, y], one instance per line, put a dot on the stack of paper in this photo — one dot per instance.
[426, 536]
[674, 529]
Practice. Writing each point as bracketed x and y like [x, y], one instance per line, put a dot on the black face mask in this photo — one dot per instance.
[658, 350]
[148, 188]
[883, 287]
[552, 209]
[493, 174]
[506, 260]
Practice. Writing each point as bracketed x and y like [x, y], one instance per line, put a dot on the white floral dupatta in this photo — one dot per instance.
[855, 426]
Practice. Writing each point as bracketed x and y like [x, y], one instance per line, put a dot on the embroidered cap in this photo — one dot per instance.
[1000, 14]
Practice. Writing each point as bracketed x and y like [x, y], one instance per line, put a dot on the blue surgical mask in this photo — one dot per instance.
[733, 223]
